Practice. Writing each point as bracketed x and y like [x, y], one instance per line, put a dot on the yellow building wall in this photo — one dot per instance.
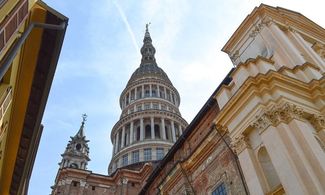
[19, 77]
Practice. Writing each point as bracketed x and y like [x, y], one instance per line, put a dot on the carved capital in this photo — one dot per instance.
[276, 115]
[125, 181]
[267, 21]
[318, 122]
[319, 49]
[234, 56]
[240, 143]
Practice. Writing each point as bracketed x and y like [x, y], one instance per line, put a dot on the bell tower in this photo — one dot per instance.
[77, 150]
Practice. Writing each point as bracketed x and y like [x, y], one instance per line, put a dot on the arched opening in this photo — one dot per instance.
[157, 132]
[148, 132]
[78, 147]
[269, 172]
[137, 134]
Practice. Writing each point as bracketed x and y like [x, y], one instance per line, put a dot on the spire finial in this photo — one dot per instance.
[84, 118]
[147, 26]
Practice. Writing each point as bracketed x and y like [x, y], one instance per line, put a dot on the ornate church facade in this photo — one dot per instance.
[262, 131]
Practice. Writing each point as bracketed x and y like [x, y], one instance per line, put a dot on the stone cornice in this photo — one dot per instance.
[281, 16]
[266, 83]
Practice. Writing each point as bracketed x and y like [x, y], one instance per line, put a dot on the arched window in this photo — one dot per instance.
[157, 131]
[269, 172]
[137, 134]
[148, 132]
[78, 147]
[168, 133]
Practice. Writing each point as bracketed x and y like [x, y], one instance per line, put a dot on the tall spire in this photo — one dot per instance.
[148, 51]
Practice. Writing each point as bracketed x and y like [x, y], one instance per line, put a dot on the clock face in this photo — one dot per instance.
[78, 147]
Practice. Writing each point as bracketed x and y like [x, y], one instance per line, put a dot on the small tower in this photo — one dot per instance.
[77, 150]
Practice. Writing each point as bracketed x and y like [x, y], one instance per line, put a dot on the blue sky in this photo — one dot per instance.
[101, 50]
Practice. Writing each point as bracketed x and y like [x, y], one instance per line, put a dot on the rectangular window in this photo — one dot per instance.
[125, 160]
[160, 153]
[147, 154]
[139, 107]
[135, 156]
[220, 190]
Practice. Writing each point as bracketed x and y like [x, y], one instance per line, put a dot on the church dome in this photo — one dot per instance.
[150, 121]
[149, 70]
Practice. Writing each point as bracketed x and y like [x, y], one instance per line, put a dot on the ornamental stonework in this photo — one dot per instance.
[318, 122]
[319, 49]
[240, 143]
[276, 115]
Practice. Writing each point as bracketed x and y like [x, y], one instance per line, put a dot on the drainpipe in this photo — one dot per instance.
[14, 50]
[236, 159]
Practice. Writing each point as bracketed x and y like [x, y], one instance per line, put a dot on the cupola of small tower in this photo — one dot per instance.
[76, 154]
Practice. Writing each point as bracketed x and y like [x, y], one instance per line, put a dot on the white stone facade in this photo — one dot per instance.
[274, 107]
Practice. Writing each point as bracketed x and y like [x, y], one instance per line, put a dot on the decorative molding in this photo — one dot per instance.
[318, 122]
[234, 56]
[319, 49]
[240, 143]
[267, 21]
[276, 115]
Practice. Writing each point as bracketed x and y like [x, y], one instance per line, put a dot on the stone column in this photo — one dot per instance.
[152, 123]
[150, 89]
[123, 136]
[173, 131]
[163, 130]
[249, 165]
[141, 129]
[158, 91]
[131, 132]
[142, 91]
[129, 97]
[285, 149]
[313, 157]
[114, 145]
[284, 42]
[301, 41]
[180, 129]
[165, 91]
[117, 142]
[282, 160]
[136, 93]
